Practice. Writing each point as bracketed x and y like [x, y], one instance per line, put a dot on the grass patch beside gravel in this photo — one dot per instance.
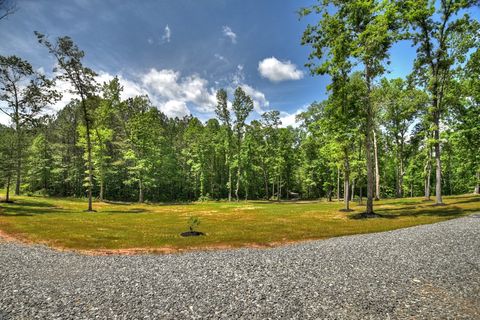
[61, 222]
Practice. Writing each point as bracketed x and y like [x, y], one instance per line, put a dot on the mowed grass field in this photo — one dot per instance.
[62, 223]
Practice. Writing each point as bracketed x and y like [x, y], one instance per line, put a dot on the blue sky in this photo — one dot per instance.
[180, 52]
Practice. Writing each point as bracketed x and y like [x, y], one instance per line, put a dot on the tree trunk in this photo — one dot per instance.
[273, 189]
[352, 194]
[19, 155]
[346, 188]
[377, 169]
[338, 184]
[400, 179]
[89, 154]
[265, 179]
[428, 173]
[101, 189]
[368, 146]
[229, 183]
[7, 195]
[237, 188]
[477, 185]
[438, 164]
[140, 191]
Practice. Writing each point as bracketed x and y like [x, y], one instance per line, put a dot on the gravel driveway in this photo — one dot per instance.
[424, 272]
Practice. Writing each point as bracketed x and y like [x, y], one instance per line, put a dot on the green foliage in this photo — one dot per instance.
[193, 223]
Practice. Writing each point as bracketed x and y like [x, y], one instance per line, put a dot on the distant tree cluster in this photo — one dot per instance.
[372, 137]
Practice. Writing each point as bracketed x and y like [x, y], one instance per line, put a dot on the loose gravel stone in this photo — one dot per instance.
[423, 272]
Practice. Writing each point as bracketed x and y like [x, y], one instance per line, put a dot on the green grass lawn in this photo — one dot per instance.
[61, 222]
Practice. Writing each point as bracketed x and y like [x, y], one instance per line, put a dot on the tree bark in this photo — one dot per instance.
[7, 195]
[101, 190]
[400, 180]
[352, 194]
[428, 173]
[368, 146]
[237, 188]
[346, 187]
[438, 163]
[377, 169]
[477, 185]
[89, 154]
[140, 191]
[229, 183]
[338, 184]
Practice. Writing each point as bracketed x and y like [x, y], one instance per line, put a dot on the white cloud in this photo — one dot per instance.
[130, 90]
[289, 119]
[276, 70]
[167, 85]
[167, 34]
[172, 93]
[150, 41]
[260, 102]
[227, 31]
[175, 108]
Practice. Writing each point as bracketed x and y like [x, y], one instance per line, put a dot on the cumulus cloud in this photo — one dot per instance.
[276, 70]
[290, 119]
[130, 89]
[175, 108]
[167, 33]
[174, 94]
[168, 84]
[260, 102]
[227, 31]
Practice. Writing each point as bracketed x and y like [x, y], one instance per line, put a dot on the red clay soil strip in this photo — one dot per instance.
[7, 237]
[172, 250]
[161, 250]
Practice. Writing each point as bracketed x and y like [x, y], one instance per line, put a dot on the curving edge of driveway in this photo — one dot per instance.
[423, 272]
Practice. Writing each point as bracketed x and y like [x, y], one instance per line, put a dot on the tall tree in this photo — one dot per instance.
[369, 29]
[443, 33]
[224, 116]
[242, 106]
[69, 58]
[26, 93]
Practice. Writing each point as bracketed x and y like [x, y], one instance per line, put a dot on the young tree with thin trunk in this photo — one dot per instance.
[69, 59]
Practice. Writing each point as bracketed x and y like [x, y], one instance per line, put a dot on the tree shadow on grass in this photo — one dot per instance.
[31, 203]
[394, 213]
[28, 208]
[125, 211]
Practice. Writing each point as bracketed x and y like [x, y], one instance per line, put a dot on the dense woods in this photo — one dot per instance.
[373, 137]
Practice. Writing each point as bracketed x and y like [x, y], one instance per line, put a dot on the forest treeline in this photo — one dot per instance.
[372, 137]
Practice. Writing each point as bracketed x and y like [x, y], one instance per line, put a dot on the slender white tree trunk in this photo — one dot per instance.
[377, 169]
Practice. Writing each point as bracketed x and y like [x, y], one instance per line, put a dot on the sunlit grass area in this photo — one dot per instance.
[62, 223]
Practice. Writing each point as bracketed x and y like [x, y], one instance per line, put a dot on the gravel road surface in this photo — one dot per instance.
[424, 272]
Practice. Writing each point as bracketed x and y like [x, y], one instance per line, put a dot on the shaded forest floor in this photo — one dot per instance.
[130, 228]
